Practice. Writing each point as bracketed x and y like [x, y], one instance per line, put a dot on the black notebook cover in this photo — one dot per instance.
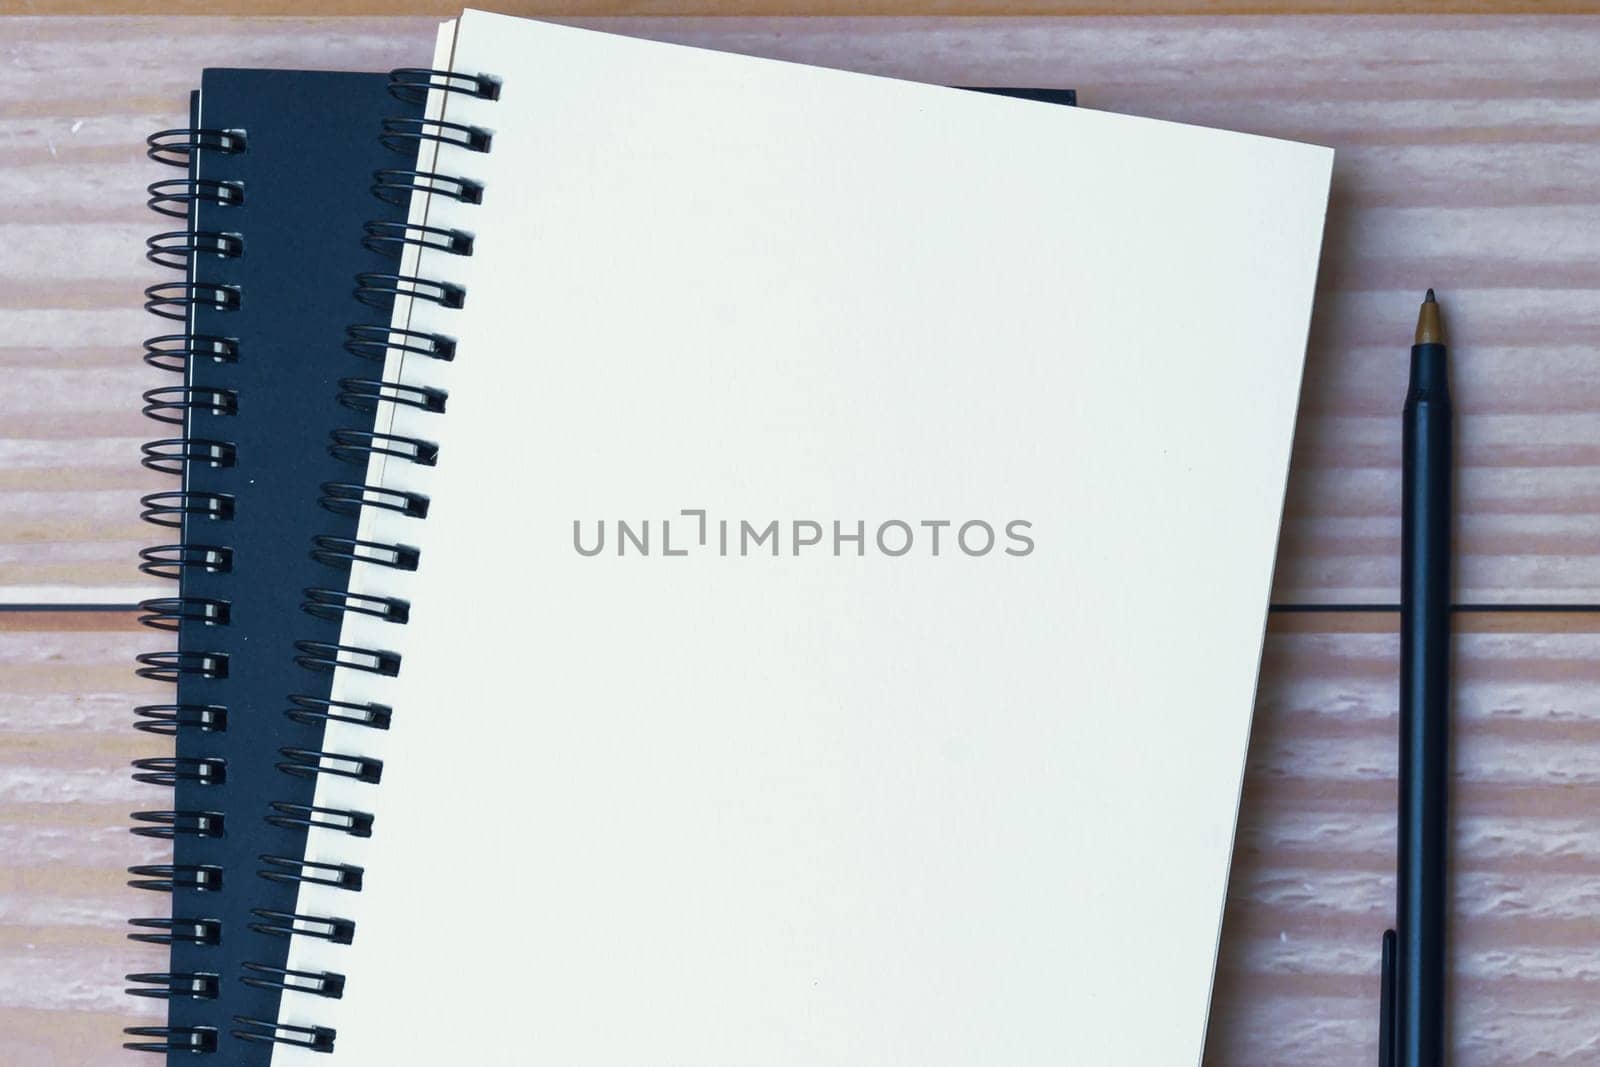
[264, 244]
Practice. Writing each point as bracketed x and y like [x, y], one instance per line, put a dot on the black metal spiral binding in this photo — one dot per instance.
[403, 135]
[165, 877]
[379, 290]
[343, 552]
[283, 979]
[170, 770]
[172, 403]
[168, 612]
[412, 84]
[168, 719]
[350, 497]
[170, 509]
[390, 238]
[175, 351]
[173, 300]
[314, 710]
[175, 196]
[335, 604]
[170, 666]
[308, 763]
[315, 1038]
[173, 249]
[355, 446]
[199, 985]
[170, 824]
[365, 394]
[306, 816]
[170, 561]
[173, 455]
[178, 931]
[199, 1039]
[373, 342]
[325, 657]
[174, 147]
[311, 872]
[395, 186]
[182, 353]
[288, 924]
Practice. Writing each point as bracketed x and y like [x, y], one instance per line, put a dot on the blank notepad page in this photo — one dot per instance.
[836, 620]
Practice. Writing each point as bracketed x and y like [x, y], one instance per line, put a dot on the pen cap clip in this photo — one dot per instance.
[1386, 971]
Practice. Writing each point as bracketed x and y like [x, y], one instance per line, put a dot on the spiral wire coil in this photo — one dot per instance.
[371, 342]
[187, 354]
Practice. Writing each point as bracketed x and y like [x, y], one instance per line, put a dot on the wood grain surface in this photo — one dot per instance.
[1311, 891]
[1468, 159]
[574, 9]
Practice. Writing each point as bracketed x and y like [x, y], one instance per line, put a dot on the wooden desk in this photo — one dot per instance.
[1469, 159]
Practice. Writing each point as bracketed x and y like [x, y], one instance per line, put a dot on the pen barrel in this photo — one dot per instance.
[1424, 711]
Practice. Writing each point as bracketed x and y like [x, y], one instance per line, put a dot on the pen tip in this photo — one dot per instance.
[1430, 330]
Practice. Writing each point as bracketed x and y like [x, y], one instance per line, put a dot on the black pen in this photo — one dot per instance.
[1411, 1030]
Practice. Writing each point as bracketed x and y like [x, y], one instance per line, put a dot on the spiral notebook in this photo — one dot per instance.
[835, 566]
[277, 163]
[243, 639]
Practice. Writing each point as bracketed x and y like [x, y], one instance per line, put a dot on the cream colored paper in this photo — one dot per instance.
[814, 809]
